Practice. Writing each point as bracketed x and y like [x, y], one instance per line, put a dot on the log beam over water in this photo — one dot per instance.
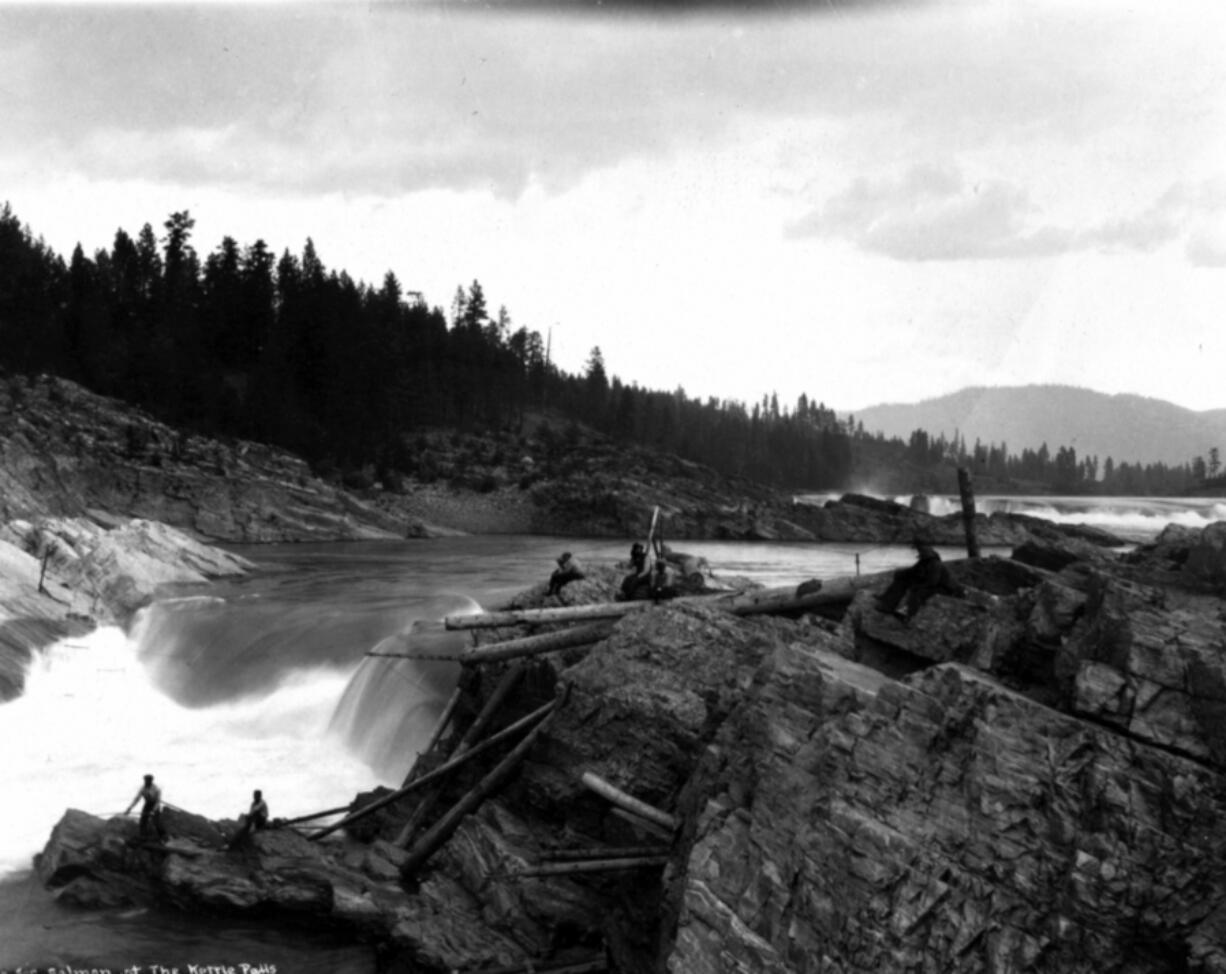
[836, 591]
[442, 770]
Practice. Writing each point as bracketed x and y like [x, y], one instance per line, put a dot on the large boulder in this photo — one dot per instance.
[111, 569]
[1154, 671]
[1207, 555]
[943, 823]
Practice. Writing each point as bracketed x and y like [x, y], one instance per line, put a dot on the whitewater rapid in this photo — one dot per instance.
[91, 722]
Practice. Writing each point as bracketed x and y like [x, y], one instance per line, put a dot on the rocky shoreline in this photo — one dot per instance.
[1025, 777]
[1029, 776]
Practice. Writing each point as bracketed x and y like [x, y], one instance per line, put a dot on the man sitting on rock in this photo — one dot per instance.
[568, 570]
[919, 583]
[637, 584]
[255, 819]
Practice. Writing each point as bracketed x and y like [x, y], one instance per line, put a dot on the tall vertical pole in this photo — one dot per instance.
[968, 511]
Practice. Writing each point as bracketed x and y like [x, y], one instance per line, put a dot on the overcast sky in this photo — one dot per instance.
[864, 202]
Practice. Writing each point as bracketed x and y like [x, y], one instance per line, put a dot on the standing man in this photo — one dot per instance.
[151, 811]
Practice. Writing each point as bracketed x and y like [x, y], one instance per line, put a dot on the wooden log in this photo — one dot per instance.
[590, 866]
[441, 770]
[436, 735]
[509, 679]
[444, 719]
[603, 852]
[628, 802]
[438, 833]
[561, 613]
[545, 642]
[315, 815]
[785, 598]
[968, 512]
[643, 825]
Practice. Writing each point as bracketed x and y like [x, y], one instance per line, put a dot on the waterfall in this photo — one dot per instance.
[390, 707]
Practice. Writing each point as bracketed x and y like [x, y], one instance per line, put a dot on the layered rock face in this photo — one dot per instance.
[66, 452]
[63, 576]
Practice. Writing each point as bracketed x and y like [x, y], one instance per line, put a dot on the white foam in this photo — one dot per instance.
[91, 723]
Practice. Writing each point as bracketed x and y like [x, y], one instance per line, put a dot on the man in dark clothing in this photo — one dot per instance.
[568, 571]
[919, 583]
[255, 819]
[637, 583]
[151, 811]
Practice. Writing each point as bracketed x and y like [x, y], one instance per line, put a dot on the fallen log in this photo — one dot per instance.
[643, 825]
[590, 866]
[438, 833]
[603, 852]
[441, 770]
[509, 679]
[545, 642]
[628, 802]
[787, 598]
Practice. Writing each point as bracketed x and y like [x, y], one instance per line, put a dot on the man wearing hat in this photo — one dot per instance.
[568, 570]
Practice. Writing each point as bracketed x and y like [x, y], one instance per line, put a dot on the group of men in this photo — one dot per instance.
[151, 824]
[915, 584]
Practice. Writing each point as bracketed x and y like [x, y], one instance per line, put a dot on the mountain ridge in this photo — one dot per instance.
[1124, 426]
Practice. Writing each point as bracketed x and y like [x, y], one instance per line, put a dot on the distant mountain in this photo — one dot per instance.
[1124, 427]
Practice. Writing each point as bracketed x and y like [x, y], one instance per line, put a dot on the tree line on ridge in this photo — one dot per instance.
[282, 349]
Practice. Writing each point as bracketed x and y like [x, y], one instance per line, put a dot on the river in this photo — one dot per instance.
[262, 682]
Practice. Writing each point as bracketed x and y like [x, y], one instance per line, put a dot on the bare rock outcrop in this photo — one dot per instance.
[62, 576]
[1028, 776]
[65, 451]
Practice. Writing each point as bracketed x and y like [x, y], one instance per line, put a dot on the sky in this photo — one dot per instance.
[864, 202]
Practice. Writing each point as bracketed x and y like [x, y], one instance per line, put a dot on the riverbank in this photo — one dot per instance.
[1017, 778]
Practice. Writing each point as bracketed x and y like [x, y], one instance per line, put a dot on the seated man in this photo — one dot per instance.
[568, 571]
[918, 583]
[636, 584]
[255, 819]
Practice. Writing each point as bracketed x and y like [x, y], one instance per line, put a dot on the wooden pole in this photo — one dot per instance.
[442, 769]
[315, 815]
[968, 512]
[438, 833]
[628, 802]
[563, 613]
[590, 866]
[544, 642]
[439, 728]
[643, 825]
[777, 599]
[603, 852]
[443, 720]
[426, 805]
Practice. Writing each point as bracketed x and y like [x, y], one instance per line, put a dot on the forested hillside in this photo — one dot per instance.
[283, 349]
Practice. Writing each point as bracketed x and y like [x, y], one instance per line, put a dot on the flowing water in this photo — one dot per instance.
[263, 682]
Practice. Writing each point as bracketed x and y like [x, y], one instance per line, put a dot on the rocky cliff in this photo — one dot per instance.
[1029, 776]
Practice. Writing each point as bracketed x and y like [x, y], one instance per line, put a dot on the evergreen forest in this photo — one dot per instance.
[243, 342]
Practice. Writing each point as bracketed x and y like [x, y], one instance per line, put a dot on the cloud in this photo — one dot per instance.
[932, 212]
